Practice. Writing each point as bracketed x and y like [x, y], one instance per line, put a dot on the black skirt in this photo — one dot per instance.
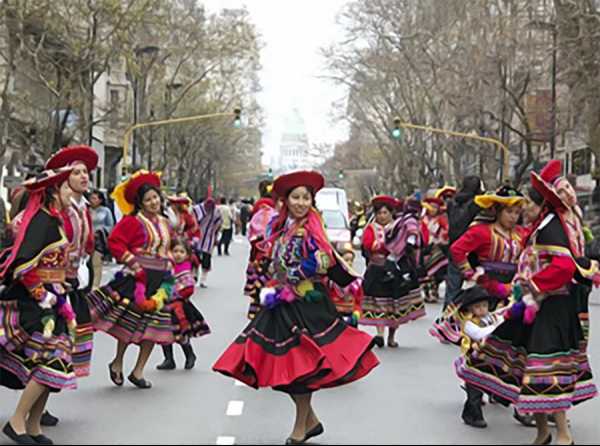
[187, 320]
[539, 367]
[25, 354]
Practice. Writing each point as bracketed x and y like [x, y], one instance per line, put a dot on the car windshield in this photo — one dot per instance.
[334, 219]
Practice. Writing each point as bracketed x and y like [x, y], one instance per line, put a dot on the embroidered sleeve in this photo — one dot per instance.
[557, 274]
[477, 239]
[121, 241]
[368, 240]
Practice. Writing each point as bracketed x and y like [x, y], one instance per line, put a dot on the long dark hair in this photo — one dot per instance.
[100, 196]
[139, 197]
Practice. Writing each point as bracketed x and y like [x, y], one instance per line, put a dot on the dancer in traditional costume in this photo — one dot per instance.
[185, 316]
[488, 253]
[297, 343]
[37, 323]
[77, 221]
[404, 242]
[436, 257]
[263, 213]
[477, 323]
[378, 307]
[536, 359]
[131, 306]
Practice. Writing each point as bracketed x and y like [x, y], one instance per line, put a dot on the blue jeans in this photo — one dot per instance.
[454, 282]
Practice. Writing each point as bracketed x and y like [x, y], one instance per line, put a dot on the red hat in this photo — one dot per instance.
[310, 178]
[176, 199]
[48, 178]
[72, 154]
[390, 202]
[138, 181]
[263, 203]
[125, 192]
[545, 182]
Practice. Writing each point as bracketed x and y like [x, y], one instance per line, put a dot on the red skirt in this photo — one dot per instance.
[298, 347]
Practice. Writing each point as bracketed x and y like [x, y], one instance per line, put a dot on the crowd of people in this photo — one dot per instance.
[518, 270]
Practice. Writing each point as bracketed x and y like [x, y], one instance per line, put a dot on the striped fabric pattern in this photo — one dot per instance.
[31, 356]
[532, 382]
[117, 317]
[389, 312]
[209, 223]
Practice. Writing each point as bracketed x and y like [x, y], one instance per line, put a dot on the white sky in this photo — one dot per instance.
[292, 32]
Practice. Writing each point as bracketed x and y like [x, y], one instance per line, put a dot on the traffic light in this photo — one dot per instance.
[341, 174]
[397, 132]
[237, 123]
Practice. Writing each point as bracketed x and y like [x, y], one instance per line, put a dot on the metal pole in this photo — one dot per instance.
[553, 135]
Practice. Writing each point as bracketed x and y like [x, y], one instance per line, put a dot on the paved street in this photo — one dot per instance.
[412, 397]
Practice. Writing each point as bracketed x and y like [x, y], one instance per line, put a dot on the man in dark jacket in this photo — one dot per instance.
[462, 210]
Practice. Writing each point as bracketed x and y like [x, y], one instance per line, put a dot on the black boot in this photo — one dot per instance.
[472, 413]
[190, 357]
[169, 362]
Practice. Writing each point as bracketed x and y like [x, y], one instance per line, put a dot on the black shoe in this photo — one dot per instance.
[48, 419]
[290, 440]
[478, 423]
[315, 431]
[19, 439]
[379, 342]
[167, 364]
[525, 419]
[115, 377]
[41, 439]
[139, 383]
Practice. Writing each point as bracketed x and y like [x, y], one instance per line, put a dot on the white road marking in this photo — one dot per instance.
[239, 383]
[235, 408]
[225, 440]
